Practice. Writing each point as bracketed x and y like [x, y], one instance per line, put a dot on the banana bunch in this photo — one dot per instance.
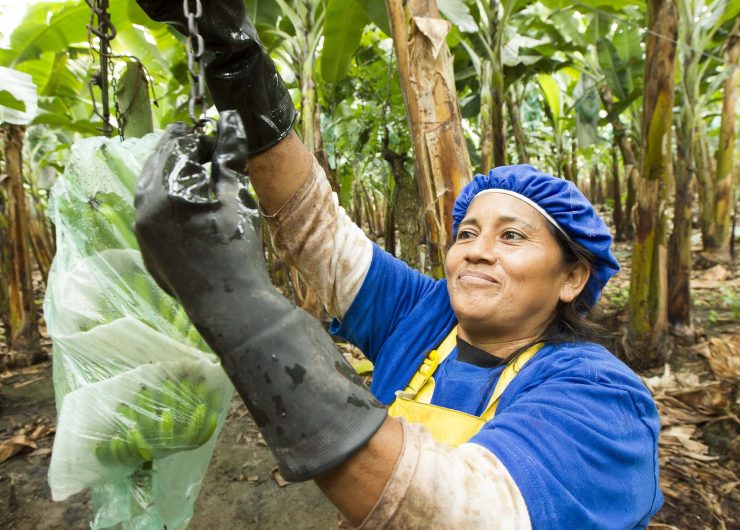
[180, 416]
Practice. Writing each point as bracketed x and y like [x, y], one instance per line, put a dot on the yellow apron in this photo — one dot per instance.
[447, 425]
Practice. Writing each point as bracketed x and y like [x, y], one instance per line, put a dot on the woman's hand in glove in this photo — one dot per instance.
[193, 227]
[239, 72]
[199, 244]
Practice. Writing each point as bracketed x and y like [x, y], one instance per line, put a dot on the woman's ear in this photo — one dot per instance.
[577, 276]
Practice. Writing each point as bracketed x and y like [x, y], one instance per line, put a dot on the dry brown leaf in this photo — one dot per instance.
[674, 412]
[683, 434]
[28, 382]
[714, 284]
[15, 445]
[434, 29]
[44, 451]
[726, 489]
[709, 399]
[718, 273]
[723, 354]
[42, 431]
[661, 382]
[278, 478]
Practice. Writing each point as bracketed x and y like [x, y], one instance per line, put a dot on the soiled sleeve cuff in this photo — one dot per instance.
[315, 235]
[435, 485]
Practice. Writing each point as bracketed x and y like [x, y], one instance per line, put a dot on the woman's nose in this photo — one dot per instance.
[482, 249]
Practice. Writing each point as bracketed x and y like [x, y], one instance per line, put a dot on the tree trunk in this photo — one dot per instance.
[648, 280]
[617, 215]
[498, 95]
[679, 256]
[406, 208]
[304, 296]
[23, 334]
[5, 268]
[389, 227]
[705, 185]
[485, 116]
[306, 78]
[568, 167]
[719, 246]
[629, 160]
[516, 126]
[427, 80]
[593, 184]
[574, 159]
[41, 239]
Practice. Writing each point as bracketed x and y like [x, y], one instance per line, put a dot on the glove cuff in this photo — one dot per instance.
[349, 431]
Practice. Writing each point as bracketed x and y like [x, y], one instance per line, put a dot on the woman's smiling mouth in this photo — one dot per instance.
[475, 277]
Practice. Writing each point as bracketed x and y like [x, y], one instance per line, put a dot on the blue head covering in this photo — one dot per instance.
[562, 203]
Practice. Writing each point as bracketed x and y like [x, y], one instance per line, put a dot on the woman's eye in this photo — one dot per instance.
[512, 236]
[464, 234]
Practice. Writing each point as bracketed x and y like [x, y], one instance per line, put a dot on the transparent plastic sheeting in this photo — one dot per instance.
[140, 398]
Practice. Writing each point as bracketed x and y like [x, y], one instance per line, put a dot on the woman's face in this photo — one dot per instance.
[505, 271]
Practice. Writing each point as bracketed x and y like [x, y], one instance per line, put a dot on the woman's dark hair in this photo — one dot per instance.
[571, 323]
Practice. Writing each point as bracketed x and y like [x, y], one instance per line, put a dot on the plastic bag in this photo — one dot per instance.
[140, 398]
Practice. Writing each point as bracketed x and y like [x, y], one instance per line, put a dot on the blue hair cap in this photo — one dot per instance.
[563, 203]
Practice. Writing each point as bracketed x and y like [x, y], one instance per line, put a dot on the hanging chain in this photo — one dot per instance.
[195, 48]
[105, 31]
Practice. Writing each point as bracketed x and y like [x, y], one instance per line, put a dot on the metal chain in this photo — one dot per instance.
[195, 50]
[105, 31]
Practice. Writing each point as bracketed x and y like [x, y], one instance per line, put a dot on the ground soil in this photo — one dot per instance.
[240, 490]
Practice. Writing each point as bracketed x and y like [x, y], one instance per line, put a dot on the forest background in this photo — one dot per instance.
[402, 102]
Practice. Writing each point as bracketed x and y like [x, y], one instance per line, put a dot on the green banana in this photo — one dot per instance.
[143, 293]
[119, 227]
[166, 429]
[215, 399]
[141, 446]
[181, 322]
[194, 338]
[123, 452]
[103, 453]
[195, 426]
[148, 416]
[209, 426]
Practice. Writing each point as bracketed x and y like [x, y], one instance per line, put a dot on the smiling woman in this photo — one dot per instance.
[506, 274]
[488, 410]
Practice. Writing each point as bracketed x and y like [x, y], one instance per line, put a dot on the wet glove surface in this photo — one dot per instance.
[239, 72]
[198, 242]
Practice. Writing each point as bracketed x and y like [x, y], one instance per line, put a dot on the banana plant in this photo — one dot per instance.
[699, 76]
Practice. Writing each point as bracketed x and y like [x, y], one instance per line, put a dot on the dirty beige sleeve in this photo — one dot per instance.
[315, 235]
[435, 485]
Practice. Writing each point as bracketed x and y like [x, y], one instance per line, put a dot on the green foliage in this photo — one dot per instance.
[620, 297]
[47, 27]
[362, 109]
[343, 26]
[9, 101]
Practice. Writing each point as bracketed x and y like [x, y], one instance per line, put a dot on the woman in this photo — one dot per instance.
[514, 421]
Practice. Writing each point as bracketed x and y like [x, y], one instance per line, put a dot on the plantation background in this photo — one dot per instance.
[634, 101]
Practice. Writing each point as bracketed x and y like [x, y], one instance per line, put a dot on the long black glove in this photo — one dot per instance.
[239, 72]
[198, 243]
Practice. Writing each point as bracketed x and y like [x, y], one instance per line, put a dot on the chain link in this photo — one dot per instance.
[105, 31]
[195, 49]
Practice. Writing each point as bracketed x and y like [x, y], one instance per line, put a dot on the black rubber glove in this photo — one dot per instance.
[239, 72]
[200, 246]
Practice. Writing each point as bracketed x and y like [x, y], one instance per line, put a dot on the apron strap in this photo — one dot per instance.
[423, 380]
[430, 364]
[507, 376]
